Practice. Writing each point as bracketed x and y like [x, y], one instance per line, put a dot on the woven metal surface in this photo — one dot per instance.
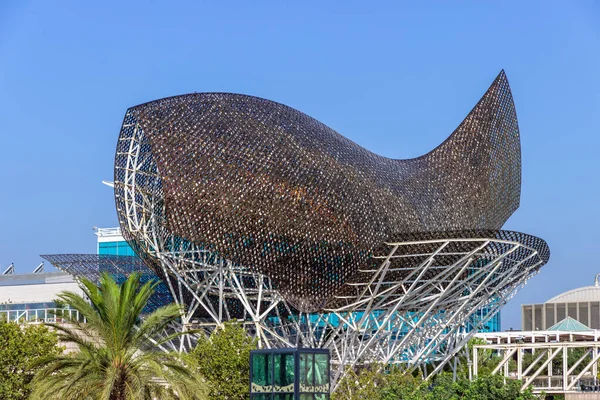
[270, 188]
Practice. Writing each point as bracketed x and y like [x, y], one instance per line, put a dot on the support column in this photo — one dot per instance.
[475, 351]
[454, 369]
[565, 367]
[519, 363]
[549, 371]
[506, 364]
[595, 366]
[544, 325]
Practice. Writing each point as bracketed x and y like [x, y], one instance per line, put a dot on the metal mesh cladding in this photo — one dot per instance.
[269, 187]
[91, 267]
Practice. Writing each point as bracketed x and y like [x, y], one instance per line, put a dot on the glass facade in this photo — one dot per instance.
[119, 247]
[27, 306]
[116, 248]
[289, 374]
[316, 320]
[492, 325]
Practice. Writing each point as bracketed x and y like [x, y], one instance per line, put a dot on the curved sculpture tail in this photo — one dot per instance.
[473, 179]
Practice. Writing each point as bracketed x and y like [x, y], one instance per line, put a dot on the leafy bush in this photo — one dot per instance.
[224, 360]
[19, 348]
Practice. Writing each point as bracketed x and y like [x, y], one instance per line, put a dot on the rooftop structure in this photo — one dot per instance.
[248, 209]
[111, 242]
[582, 294]
[569, 325]
[581, 304]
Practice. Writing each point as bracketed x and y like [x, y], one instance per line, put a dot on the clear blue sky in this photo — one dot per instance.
[395, 77]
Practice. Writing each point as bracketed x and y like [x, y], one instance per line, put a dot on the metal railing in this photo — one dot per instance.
[40, 315]
[108, 231]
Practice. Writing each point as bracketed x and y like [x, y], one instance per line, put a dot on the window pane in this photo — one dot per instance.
[289, 396]
[322, 372]
[306, 370]
[261, 373]
[284, 372]
[261, 396]
[306, 397]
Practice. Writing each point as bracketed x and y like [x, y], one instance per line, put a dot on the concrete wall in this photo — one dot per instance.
[35, 293]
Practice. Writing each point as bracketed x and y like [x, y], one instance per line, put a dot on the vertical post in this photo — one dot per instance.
[470, 365]
[544, 324]
[595, 365]
[475, 361]
[549, 371]
[469, 362]
[506, 364]
[221, 299]
[519, 363]
[565, 367]
[454, 369]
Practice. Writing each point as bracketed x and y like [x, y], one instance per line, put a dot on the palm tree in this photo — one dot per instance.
[115, 361]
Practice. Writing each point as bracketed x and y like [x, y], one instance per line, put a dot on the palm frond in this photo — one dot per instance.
[114, 359]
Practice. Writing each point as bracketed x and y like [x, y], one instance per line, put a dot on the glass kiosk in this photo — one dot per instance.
[289, 374]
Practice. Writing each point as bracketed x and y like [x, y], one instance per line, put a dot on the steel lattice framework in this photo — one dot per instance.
[251, 210]
[414, 308]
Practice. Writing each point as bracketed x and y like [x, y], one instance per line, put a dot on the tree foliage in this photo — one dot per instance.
[485, 387]
[19, 348]
[224, 359]
[114, 360]
[375, 383]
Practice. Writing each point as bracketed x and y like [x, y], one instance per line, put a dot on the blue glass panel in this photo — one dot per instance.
[119, 248]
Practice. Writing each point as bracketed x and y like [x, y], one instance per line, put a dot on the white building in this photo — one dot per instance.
[581, 304]
[31, 297]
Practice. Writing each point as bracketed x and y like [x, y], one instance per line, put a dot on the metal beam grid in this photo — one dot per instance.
[422, 315]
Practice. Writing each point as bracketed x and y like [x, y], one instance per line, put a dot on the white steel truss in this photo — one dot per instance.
[560, 362]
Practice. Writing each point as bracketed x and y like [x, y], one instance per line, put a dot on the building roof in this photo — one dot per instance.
[587, 293]
[569, 325]
[35, 279]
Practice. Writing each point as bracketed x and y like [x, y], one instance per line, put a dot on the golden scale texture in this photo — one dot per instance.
[272, 189]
